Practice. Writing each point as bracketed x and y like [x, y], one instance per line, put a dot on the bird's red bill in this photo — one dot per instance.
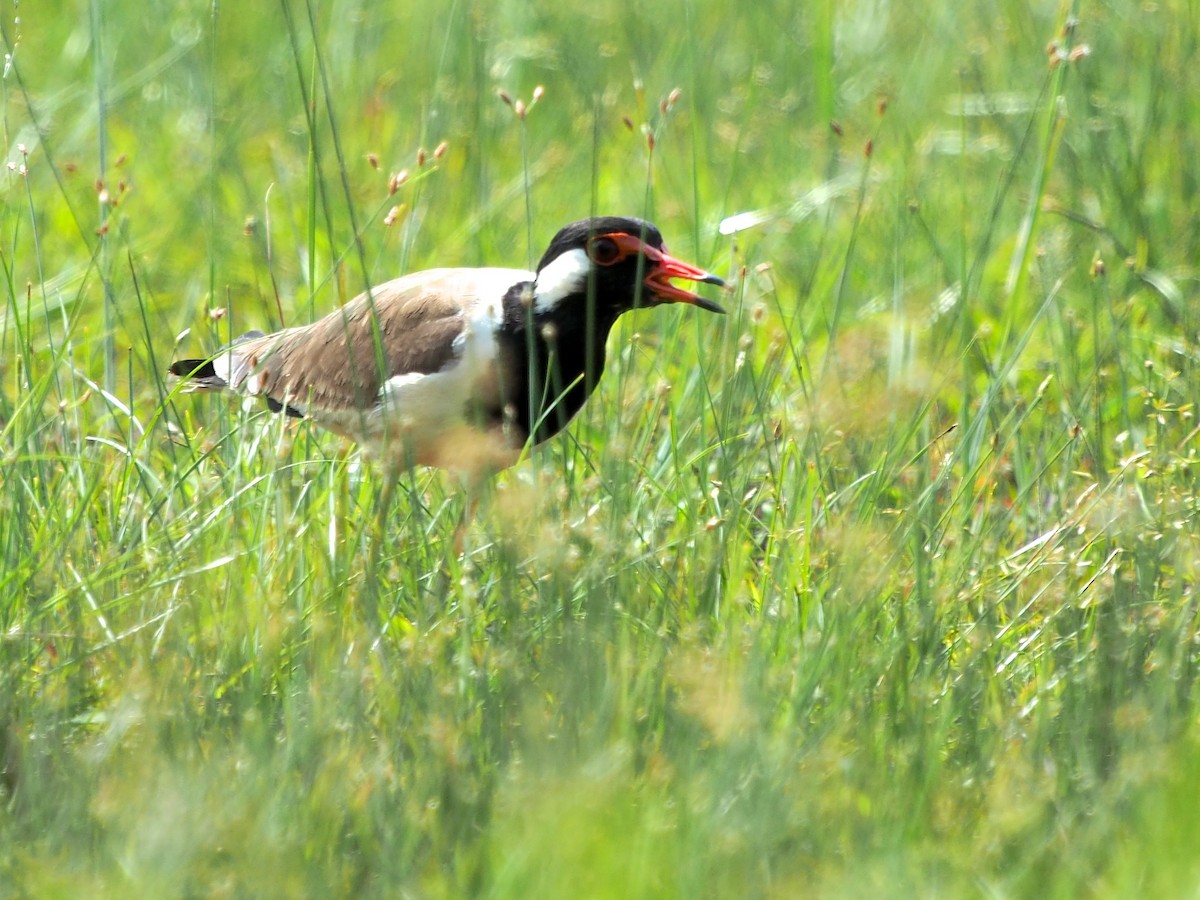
[663, 267]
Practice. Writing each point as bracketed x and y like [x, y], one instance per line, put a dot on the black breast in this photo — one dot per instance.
[551, 364]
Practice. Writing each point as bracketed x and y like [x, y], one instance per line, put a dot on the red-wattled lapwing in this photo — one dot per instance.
[458, 368]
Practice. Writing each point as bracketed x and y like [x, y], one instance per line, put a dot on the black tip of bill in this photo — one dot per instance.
[703, 303]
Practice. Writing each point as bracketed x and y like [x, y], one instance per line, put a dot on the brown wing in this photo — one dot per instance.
[405, 326]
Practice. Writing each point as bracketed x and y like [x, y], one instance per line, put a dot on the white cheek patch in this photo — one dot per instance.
[566, 275]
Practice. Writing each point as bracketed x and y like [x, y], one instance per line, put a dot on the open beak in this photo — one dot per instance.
[663, 267]
[659, 284]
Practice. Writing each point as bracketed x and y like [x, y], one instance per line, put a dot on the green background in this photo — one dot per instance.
[883, 584]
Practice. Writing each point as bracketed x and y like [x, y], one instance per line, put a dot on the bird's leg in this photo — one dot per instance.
[379, 533]
[473, 488]
[460, 531]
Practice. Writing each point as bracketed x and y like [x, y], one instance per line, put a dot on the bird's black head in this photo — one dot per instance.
[624, 259]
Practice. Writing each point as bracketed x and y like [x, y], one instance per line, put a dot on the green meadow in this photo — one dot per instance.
[885, 584]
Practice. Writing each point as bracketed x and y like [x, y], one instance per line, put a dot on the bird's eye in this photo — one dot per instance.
[604, 251]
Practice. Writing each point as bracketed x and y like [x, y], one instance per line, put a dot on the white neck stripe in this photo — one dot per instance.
[565, 275]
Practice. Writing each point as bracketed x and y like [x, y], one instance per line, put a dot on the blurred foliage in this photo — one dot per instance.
[883, 584]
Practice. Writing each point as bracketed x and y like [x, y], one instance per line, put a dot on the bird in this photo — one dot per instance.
[460, 368]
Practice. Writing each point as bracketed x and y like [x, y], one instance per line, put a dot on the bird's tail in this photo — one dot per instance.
[201, 375]
[212, 374]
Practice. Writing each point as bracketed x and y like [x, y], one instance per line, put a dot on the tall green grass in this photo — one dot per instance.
[884, 583]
